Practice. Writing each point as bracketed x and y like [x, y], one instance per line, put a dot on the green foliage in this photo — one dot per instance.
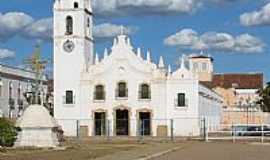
[265, 98]
[8, 133]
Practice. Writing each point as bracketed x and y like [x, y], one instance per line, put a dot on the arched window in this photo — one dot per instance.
[69, 25]
[122, 90]
[76, 5]
[99, 92]
[145, 92]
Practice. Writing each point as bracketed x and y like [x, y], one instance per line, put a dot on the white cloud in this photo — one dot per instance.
[40, 30]
[108, 30]
[21, 24]
[260, 17]
[12, 23]
[5, 54]
[112, 8]
[109, 8]
[190, 39]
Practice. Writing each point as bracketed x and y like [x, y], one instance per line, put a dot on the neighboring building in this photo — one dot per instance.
[243, 88]
[123, 94]
[240, 92]
[14, 84]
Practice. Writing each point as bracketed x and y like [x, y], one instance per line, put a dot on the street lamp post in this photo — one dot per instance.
[249, 105]
[247, 114]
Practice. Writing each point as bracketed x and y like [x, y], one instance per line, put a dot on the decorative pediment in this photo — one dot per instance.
[122, 57]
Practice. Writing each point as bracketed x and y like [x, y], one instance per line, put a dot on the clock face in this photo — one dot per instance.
[69, 46]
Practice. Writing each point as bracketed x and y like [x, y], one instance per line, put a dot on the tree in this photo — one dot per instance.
[8, 133]
[265, 98]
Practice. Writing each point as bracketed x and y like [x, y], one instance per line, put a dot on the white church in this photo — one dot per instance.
[123, 93]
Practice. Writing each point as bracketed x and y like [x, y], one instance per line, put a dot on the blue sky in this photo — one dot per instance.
[237, 44]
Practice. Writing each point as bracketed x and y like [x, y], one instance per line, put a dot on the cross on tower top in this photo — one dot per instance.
[37, 66]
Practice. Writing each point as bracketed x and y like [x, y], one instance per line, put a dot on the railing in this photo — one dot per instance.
[121, 95]
[68, 103]
[240, 132]
[176, 103]
[144, 96]
[98, 97]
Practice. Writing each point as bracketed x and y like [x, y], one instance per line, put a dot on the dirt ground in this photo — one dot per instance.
[87, 150]
[220, 151]
[132, 150]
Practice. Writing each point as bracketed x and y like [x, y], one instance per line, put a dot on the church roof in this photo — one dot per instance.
[36, 116]
[202, 56]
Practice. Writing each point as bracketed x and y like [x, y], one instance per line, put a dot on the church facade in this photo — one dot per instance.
[123, 93]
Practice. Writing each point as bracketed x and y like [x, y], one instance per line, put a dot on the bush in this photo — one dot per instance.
[8, 133]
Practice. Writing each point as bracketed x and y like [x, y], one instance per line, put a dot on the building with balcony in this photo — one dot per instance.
[15, 85]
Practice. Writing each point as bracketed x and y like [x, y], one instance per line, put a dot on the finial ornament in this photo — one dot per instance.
[169, 69]
[161, 62]
[139, 52]
[96, 59]
[183, 62]
[148, 56]
[128, 41]
[105, 53]
[201, 52]
[114, 42]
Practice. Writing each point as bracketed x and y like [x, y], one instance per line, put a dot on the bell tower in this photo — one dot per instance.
[73, 53]
[202, 66]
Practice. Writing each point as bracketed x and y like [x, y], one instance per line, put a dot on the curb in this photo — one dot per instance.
[160, 154]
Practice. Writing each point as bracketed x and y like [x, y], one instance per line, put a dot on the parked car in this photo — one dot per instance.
[250, 130]
[257, 131]
[239, 130]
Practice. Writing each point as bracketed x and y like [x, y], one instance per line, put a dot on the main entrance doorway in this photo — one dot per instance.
[145, 123]
[100, 123]
[122, 122]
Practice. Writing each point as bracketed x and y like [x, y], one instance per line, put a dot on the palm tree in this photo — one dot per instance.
[265, 98]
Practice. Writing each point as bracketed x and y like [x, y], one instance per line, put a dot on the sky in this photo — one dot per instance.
[235, 32]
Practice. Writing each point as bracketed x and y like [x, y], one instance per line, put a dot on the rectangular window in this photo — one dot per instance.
[204, 66]
[181, 100]
[195, 66]
[69, 97]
